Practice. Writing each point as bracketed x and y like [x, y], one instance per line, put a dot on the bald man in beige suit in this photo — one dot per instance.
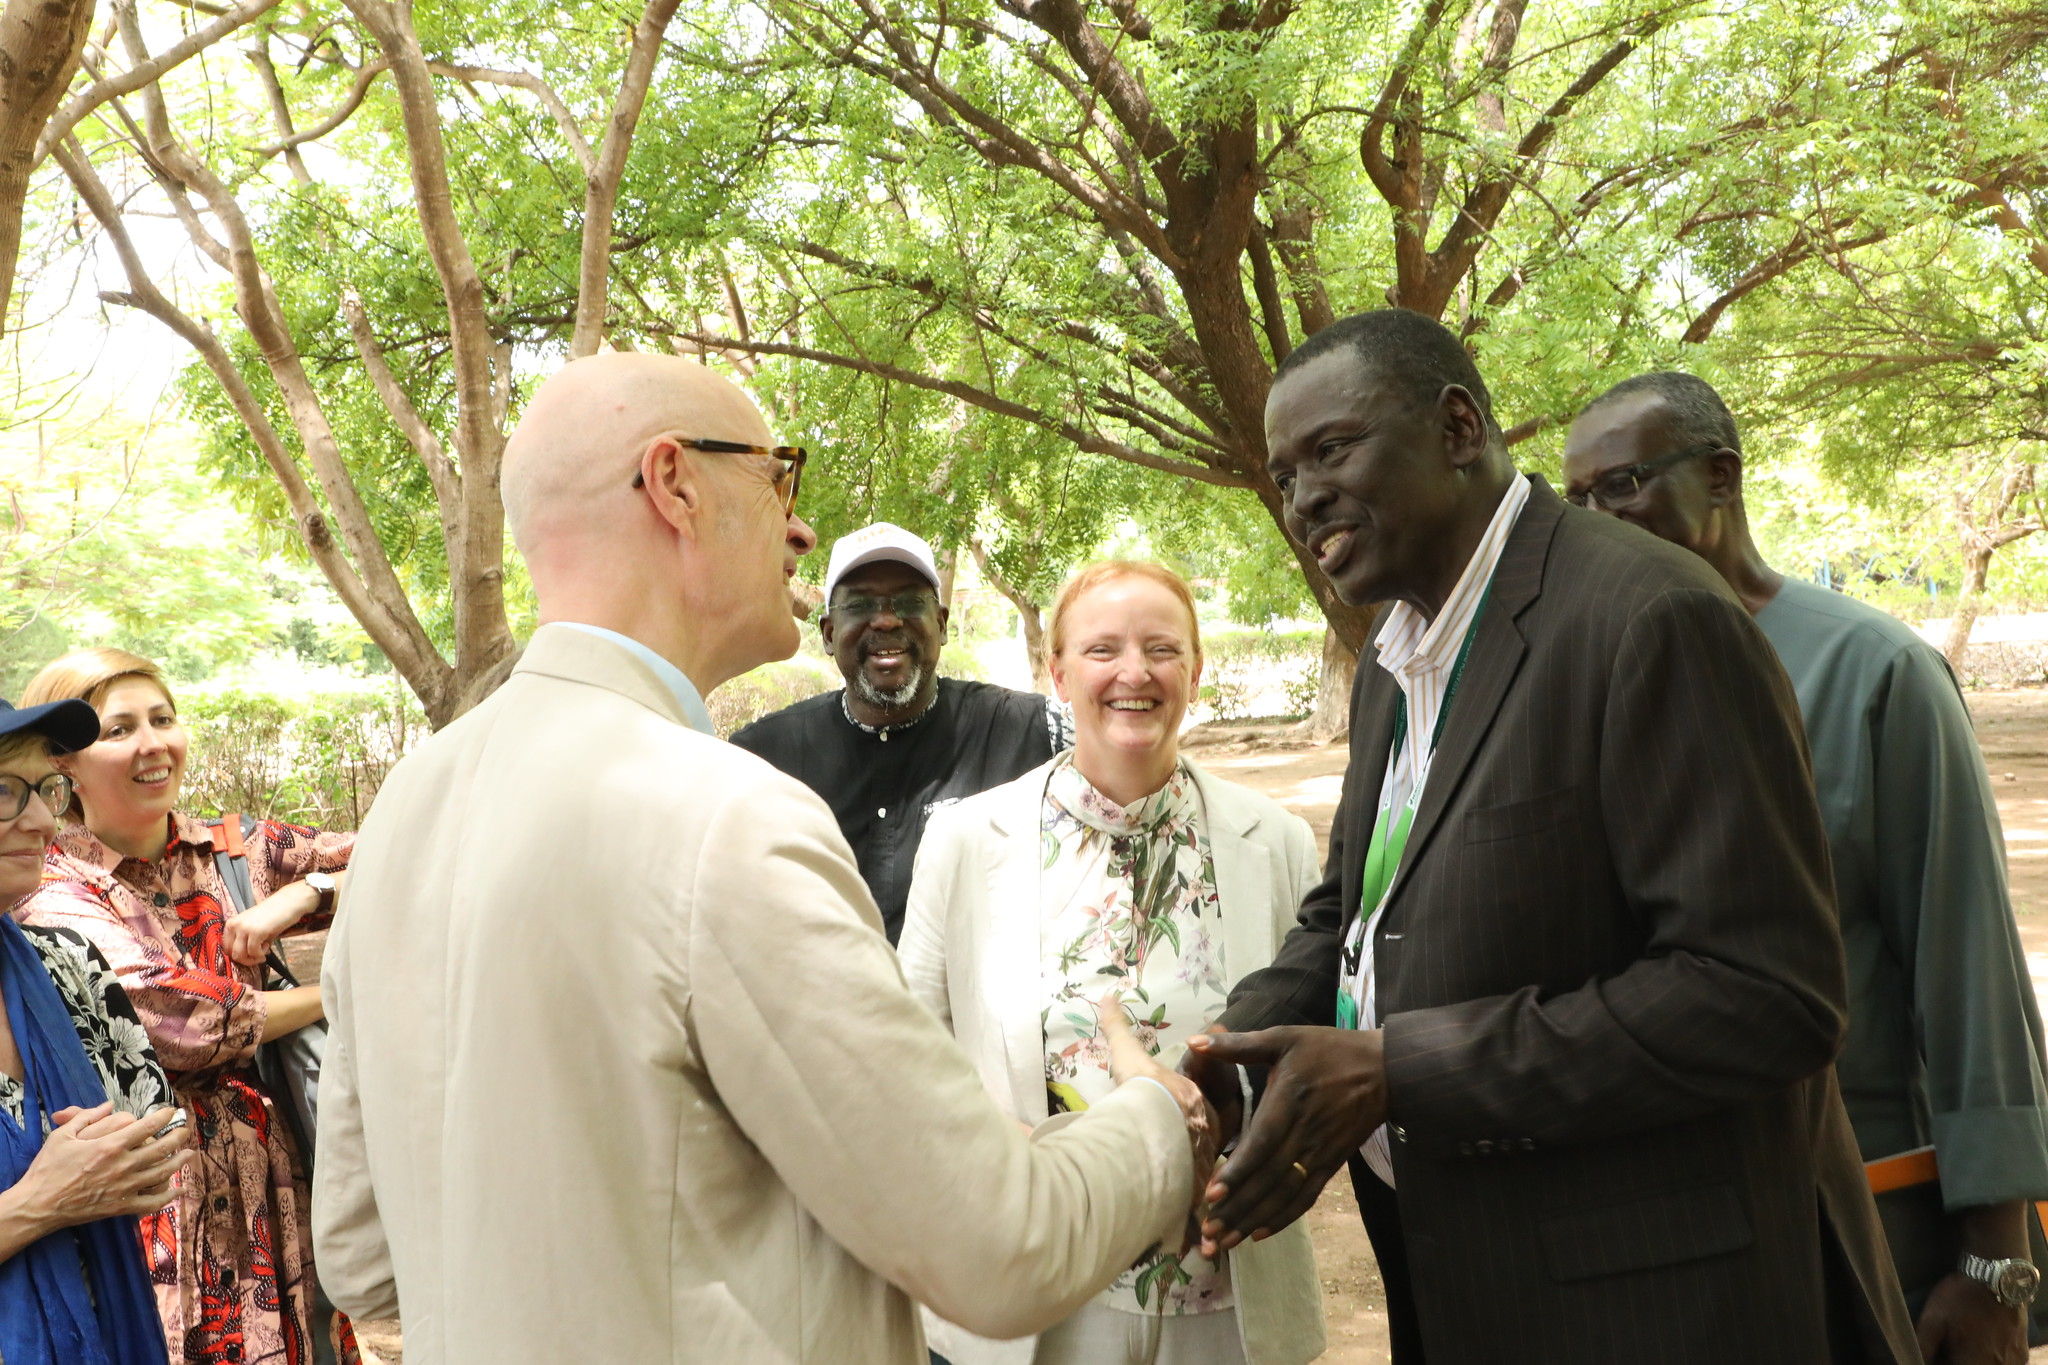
[621, 1068]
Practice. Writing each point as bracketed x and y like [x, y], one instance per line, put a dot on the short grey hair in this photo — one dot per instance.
[1700, 413]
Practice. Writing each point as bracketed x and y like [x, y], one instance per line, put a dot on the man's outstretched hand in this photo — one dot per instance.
[1326, 1090]
[1129, 1061]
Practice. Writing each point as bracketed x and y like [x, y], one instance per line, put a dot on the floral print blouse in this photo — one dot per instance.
[231, 1256]
[1130, 905]
[114, 1038]
[160, 923]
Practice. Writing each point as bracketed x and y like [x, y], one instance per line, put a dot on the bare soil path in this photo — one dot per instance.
[2013, 730]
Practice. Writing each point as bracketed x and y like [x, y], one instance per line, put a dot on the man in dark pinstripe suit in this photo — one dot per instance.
[1566, 1000]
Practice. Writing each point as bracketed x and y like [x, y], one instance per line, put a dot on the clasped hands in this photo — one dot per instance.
[102, 1163]
[1325, 1093]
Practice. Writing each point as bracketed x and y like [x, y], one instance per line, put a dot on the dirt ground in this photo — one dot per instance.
[2013, 730]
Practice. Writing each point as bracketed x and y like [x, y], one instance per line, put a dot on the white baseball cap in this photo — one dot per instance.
[876, 544]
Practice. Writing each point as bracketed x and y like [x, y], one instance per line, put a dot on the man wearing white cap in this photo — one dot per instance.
[898, 740]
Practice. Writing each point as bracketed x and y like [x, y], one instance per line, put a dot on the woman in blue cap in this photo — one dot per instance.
[88, 1140]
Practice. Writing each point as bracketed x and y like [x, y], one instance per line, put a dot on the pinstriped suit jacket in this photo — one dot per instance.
[1611, 980]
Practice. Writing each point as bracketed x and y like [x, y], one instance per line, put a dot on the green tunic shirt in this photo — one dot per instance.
[1944, 1030]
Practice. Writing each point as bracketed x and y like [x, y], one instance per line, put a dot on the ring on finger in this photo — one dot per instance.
[1299, 1169]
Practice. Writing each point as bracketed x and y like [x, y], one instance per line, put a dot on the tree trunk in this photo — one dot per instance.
[41, 40]
[949, 566]
[1332, 716]
[1028, 613]
[1034, 643]
[1969, 605]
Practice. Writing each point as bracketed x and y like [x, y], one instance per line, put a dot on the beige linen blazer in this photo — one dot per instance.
[621, 1068]
[971, 951]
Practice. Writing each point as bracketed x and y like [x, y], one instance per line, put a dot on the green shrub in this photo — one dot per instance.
[769, 688]
[1247, 671]
[316, 759]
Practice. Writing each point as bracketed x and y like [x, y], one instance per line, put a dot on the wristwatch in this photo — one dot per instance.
[323, 886]
[2013, 1282]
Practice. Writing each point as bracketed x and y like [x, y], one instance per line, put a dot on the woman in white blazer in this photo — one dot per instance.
[1118, 867]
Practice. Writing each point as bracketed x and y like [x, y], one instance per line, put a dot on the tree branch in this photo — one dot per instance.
[1379, 168]
[522, 80]
[366, 76]
[1483, 204]
[476, 560]
[1081, 437]
[1266, 285]
[144, 72]
[601, 195]
[1803, 247]
[397, 633]
[41, 41]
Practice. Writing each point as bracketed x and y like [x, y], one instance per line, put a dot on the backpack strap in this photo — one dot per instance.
[231, 857]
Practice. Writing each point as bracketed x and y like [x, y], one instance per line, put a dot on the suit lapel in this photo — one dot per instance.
[1244, 880]
[1015, 956]
[1497, 652]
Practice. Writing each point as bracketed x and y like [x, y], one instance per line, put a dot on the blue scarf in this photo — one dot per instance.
[81, 1295]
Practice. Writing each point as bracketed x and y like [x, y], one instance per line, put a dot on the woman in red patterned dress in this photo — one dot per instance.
[231, 1256]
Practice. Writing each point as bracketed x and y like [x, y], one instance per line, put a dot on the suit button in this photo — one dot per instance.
[1400, 1133]
[1485, 1146]
[1464, 1149]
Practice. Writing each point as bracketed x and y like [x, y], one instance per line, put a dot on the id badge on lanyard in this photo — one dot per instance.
[1382, 859]
[1390, 839]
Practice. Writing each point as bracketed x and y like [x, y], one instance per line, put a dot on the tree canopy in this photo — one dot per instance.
[1020, 270]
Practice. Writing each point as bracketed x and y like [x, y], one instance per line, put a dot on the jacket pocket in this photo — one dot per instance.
[1655, 1230]
[1516, 818]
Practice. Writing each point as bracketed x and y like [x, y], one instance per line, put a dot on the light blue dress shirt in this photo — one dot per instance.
[677, 682]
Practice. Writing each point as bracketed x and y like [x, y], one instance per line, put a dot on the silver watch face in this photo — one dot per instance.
[321, 882]
[2017, 1283]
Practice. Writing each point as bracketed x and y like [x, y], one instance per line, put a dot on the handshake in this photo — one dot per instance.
[1325, 1094]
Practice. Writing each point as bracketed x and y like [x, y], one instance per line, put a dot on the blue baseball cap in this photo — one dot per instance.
[68, 725]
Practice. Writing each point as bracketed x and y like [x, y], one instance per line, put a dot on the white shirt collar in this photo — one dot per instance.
[1409, 642]
[678, 682]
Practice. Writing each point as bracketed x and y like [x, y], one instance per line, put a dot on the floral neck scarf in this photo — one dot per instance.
[1128, 898]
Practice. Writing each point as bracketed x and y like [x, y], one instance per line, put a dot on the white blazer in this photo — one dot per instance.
[971, 952]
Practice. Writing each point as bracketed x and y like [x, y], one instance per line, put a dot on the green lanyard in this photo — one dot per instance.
[1390, 828]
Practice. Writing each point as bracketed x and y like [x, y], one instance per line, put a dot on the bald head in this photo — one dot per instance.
[625, 524]
[570, 464]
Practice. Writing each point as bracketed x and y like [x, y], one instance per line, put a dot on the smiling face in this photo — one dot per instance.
[1128, 665]
[1369, 474]
[134, 773]
[884, 627]
[23, 839]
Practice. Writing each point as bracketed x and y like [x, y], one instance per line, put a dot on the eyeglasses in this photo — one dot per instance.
[1618, 487]
[55, 790]
[908, 606]
[787, 480]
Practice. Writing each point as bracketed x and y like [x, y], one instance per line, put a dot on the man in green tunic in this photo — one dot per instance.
[1944, 1033]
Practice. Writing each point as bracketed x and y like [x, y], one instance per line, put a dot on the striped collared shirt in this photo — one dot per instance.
[1420, 655]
